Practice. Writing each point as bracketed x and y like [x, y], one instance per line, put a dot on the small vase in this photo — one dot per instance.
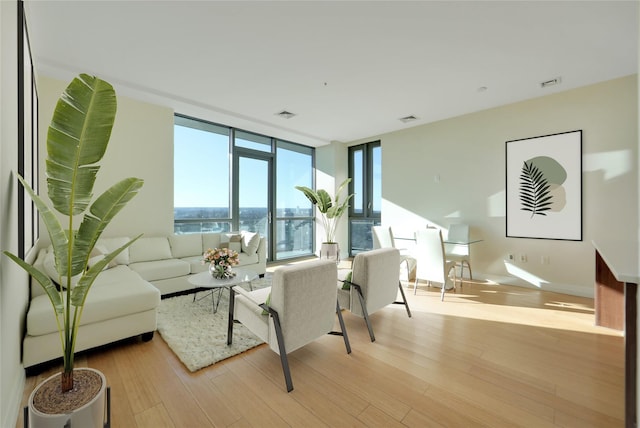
[221, 272]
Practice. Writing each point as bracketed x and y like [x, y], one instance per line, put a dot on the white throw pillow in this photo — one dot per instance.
[50, 270]
[97, 254]
[112, 244]
[232, 241]
[250, 242]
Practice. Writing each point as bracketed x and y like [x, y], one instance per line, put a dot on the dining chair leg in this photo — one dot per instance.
[415, 286]
[408, 270]
[462, 264]
[444, 286]
[469, 269]
[455, 281]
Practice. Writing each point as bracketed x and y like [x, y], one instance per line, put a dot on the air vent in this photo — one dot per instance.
[551, 82]
[285, 114]
[407, 119]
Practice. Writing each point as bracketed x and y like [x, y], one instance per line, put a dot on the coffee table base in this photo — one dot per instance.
[214, 302]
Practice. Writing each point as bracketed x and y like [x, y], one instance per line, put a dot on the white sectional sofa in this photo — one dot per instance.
[123, 300]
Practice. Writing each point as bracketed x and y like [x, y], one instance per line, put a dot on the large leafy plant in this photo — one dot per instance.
[76, 141]
[330, 210]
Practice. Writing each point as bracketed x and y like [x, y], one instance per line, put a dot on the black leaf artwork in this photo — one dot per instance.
[534, 190]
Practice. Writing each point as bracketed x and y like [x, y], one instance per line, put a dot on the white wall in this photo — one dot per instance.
[331, 171]
[141, 146]
[467, 153]
[13, 281]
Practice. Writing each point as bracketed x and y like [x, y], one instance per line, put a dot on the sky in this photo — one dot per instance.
[202, 180]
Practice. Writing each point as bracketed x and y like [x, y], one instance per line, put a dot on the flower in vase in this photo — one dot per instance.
[220, 261]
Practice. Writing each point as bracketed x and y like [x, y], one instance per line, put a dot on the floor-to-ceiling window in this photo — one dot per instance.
[230, 179]
[365, 170]
[294, 212]
[201, 197]
[252, 186]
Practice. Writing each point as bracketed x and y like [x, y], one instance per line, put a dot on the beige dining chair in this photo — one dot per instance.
[457, 249]
[383, 238]
[432, 265]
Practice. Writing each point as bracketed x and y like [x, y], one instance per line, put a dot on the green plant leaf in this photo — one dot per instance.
[101, 212]
[324, 201]
[77, 138]
[309, 193]
[44, 281]
[341, 188]
[331, 210]
[57, 234]
[80, 291]
[535, 195]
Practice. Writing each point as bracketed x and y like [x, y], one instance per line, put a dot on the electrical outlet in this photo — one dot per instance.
[523, 258]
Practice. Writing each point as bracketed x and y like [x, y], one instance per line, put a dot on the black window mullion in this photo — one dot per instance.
[368, 217]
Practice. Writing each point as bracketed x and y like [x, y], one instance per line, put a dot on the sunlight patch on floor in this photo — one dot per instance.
[570, 305]
[504, 304]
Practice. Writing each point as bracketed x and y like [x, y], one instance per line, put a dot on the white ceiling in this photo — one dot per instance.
[349, 70]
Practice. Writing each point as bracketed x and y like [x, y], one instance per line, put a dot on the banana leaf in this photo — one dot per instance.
[331, 210]
[77, 138]
[76, 142]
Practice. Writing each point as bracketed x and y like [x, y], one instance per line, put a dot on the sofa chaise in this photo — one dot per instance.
[123, 300]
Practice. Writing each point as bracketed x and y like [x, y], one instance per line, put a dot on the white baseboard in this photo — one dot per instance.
[571, 289]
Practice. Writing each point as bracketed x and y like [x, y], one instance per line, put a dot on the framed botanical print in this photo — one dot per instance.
[544, 187]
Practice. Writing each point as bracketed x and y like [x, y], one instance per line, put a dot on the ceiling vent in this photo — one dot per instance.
[408, 119]
[285, 114]
[551, 82]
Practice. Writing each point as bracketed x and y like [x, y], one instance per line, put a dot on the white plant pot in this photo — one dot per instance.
[90, 415]
[330, 251]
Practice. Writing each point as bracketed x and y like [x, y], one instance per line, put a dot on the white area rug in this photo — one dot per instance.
[198, 336]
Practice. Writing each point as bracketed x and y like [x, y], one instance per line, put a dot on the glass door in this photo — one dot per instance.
[252, 193]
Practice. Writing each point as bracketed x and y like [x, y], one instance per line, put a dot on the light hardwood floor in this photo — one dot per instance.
[489, 355]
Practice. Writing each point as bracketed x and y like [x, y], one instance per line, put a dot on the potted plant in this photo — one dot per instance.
[330, 213]
[76, 141]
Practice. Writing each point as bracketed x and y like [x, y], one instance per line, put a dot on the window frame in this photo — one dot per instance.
[368, 213]
[204, 125]
[236, 150]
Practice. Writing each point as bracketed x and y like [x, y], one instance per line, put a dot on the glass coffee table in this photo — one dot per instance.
[206, 280]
